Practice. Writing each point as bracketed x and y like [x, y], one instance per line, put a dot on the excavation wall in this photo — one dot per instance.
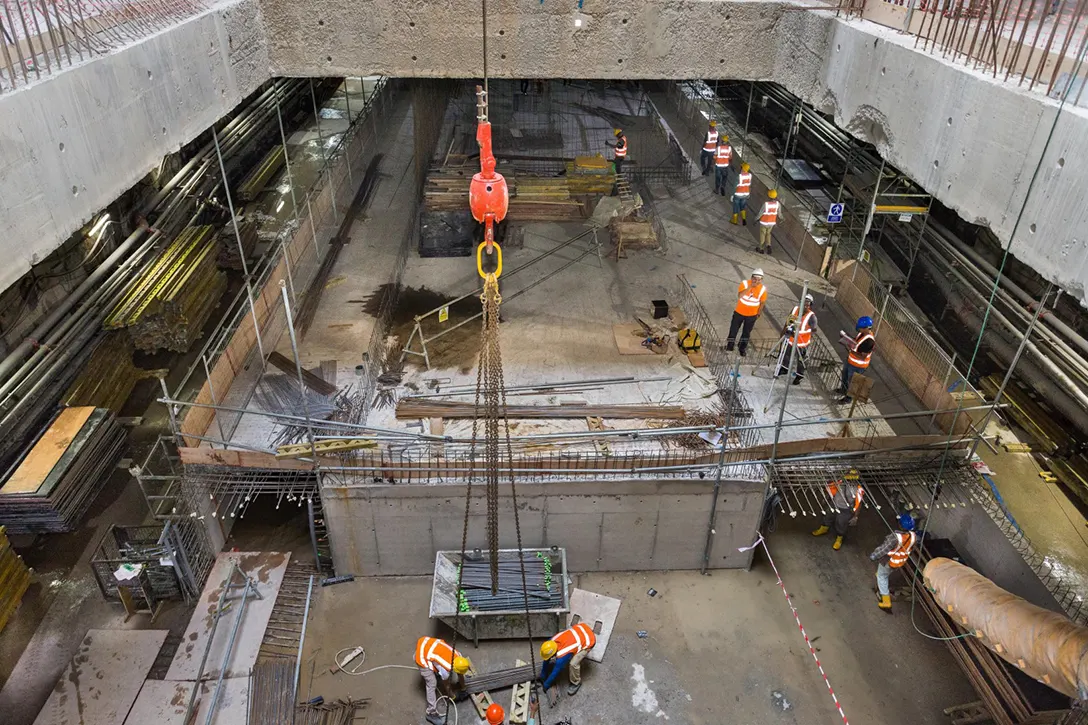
[604, 525]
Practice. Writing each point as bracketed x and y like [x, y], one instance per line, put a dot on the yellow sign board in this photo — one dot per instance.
[444, 314]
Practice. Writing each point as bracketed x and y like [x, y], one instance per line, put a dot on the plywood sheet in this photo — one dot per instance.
[266, 568]
[590, 607]
[629, 337]
[102, 681]
[34, 469]
[162, 702]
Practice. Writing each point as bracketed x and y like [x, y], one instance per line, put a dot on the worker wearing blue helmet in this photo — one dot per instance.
[893, 553]
[859, 353]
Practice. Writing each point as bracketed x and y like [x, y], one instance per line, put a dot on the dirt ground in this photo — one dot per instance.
[723, 648]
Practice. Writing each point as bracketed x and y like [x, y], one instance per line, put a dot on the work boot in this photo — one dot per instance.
[734, 219]
[743, 353]
[797, 380]
[838, 543]
[729, 347]
[885, 603]
[820, 531]
[744, 217]
[573, 688]
[436, 720]
[844, 399]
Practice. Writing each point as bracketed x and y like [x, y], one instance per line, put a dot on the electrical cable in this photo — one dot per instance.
[356, 671]
[985, 319]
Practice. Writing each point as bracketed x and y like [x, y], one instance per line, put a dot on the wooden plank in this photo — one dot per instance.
[244, 459]
[34, 469]
[311, 381]
[627, 342]
[410, 408]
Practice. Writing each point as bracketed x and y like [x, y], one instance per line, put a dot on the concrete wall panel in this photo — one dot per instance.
[73, 142]
[970, 140]
[605, 525]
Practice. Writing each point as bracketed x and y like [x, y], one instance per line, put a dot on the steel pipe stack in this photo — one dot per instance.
[109, 376]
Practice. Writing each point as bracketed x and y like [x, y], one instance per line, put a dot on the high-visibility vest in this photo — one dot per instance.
[722, 155]
[621, 147]
[432, 653]
[711, 140]
[861, 359]
[859, 493]
[744, 185]
[769, 214]
[899, 555]
[751, 297]
[574, 640]
[803, 332]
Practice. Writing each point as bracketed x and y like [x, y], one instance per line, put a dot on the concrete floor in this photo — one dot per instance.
[723, 648]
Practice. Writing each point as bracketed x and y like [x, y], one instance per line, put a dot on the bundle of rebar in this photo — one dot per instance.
[167, 307]
[499, 679]
[544, 591]
[272, 692]
[423, 408]
[229, 255]
[109, 376]
[341, 712]
[14, 578]
[256, 180]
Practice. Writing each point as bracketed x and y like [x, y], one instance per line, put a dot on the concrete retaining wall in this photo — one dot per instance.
[72, 143]
[604, 525]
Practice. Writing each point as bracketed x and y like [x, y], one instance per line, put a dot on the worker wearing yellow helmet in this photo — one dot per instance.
[565, 650]
[619, 149]
[846, 495]
[437, 660]
[741, 194]
[710, 144]
[768, 217]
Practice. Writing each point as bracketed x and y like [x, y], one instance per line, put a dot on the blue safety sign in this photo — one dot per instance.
[834, 214]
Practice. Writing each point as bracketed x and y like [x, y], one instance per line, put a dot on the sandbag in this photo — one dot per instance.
[1045, 645]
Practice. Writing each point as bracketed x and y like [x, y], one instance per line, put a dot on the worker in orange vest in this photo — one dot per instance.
[565, 650]
[710, 144]
[859, 355]
[619, 150]
[741, 194]
[768, 217]
[799, 330]
[846, 495]
[751, 296]
[723, 155]
[893, 554]
[437, 660]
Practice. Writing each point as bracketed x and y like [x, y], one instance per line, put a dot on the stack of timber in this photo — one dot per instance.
[532, 198]
[590, 175]
[109, 376]
[50, 488]
[14, 578]
[174, 296]
[411, 408]
[256, 180]
[229, 256]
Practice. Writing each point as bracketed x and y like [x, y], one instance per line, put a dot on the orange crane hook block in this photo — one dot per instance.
[488, 194]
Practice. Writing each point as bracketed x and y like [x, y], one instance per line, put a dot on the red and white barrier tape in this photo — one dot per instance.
[797, 618]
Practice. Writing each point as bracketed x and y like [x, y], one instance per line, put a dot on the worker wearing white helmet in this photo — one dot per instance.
[798, 331]
[751, 296]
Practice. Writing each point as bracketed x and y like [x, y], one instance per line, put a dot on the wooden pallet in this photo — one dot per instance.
[518, 714]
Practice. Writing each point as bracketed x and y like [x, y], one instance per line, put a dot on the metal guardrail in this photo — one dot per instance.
[39, 39]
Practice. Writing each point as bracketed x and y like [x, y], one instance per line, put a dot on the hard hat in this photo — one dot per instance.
[757, 272]
[864, 321]
[548, 649]
[852, 475]
[618, 131]
[495, 714]
[745, 167]
[906, 522]
[809, 298]
[724, 139]
[713, 123]
[772, 194]
[461, 665]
